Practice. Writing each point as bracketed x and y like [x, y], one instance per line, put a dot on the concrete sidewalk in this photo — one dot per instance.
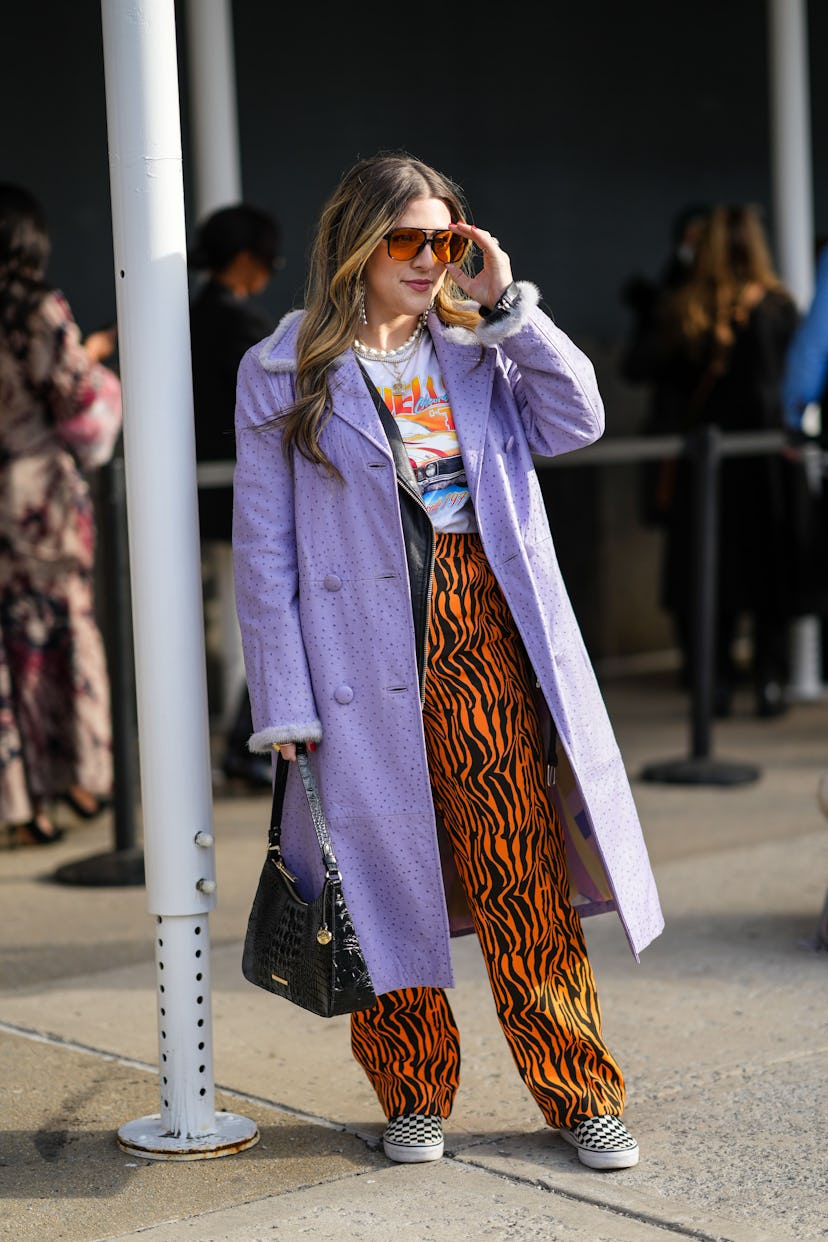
[722, 1031]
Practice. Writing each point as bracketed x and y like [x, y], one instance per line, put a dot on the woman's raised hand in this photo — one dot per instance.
[495, 276]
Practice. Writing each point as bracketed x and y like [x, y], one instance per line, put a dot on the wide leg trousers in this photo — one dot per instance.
[487, 770]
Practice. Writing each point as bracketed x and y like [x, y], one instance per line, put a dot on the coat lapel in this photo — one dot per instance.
[352, 402]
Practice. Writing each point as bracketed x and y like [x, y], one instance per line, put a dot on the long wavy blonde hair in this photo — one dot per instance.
[369, 200]
[731, 264]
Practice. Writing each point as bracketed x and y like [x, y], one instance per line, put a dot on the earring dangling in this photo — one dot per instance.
[362, 314]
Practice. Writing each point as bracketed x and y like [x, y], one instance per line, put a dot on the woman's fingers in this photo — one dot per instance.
[286, 749]
[495, 276]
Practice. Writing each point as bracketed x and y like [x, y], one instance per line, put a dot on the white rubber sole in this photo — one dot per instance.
[408, 1153]
[625, 1159]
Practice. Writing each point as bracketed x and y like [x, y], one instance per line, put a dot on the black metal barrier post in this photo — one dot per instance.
[704, 447]
[125, 864]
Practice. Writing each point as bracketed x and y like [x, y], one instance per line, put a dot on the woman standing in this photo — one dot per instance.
[401, 608]
[60, 415]
[724, 340]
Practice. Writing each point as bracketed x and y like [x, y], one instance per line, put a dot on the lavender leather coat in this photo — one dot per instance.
[325, 614]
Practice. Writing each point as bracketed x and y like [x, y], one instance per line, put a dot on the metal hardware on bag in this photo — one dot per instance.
[286, 872]
[551, 774]
[279, 979]
[324, 936]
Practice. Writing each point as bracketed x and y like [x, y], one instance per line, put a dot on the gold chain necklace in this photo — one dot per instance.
[397, 369]
[395, 361]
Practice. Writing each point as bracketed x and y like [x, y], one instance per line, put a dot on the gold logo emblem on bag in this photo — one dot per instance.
[323, 935]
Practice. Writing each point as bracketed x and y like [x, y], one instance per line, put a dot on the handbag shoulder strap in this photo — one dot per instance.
[274, 835]
[320, 824]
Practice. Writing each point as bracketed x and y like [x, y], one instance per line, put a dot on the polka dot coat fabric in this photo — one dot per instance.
[324, 607]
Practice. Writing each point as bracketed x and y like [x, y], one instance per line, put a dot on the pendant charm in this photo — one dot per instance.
[398, 388]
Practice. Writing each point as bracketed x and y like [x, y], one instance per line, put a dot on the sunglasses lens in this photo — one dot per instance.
[449, 247]
[404, 243]
[460, 247]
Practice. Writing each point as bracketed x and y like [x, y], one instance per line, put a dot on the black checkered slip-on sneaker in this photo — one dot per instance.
[413, 1138]
[603, 1143]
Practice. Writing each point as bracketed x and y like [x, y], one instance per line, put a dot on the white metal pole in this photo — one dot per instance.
[211, 74]
[794, 236]
[217, 182]
[159, 453]
[791, 145]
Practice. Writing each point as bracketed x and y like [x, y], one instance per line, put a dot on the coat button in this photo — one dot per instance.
[343, 694]
[333, 582]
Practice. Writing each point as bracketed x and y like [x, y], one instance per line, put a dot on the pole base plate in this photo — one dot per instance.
[699, 772]
[121, 868]
[146, 1138]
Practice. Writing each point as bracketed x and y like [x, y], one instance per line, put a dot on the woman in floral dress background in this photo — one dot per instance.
[60, 417]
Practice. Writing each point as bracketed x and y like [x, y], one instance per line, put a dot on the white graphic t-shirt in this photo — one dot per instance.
[416, 396]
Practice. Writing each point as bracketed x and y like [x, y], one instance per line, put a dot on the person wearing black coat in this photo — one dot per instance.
[238, 249]
[641, 361]
[724, 339]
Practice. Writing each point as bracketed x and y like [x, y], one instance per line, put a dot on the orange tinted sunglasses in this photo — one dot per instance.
[405, 244]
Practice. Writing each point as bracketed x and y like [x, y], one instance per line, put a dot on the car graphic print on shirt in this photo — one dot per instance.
[423, 415]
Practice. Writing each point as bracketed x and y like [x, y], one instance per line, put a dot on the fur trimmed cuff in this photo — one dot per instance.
[492, 333]
[261, 743]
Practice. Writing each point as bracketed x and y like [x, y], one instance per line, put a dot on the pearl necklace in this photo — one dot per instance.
[398, 354]
[394, 361]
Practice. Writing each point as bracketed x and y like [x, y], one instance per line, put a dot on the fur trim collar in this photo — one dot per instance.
[277, 352]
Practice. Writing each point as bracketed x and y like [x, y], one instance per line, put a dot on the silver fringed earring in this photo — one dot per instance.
[362, 314]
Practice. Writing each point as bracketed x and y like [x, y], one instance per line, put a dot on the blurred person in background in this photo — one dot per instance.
[805, 411]
[805, 385]
[238, 248]
[723, 336]
[805, 380]
[642, 363]
[60, 417]
[641, 358]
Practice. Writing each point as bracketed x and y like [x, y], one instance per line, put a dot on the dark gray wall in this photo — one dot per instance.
[576, 146]
[577, 131]
[54, 141]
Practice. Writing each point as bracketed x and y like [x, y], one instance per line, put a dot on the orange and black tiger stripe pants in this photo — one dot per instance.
[486, 765]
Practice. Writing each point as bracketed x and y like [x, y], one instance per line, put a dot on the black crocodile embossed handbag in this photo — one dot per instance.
[306, 952]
